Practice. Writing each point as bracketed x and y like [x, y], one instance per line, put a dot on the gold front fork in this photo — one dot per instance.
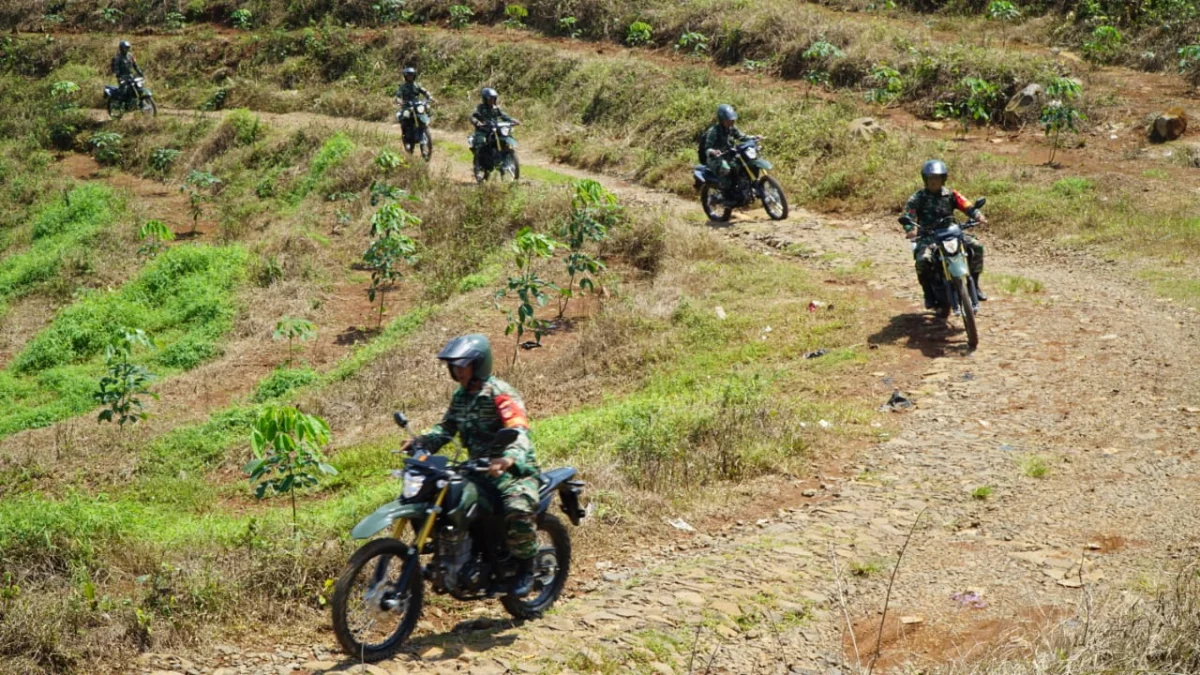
[423, 534]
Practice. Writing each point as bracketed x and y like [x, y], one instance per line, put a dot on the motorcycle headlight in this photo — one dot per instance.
[951, 246]
[413, 484]
[751, 153]
[421, 109]
[504, 131]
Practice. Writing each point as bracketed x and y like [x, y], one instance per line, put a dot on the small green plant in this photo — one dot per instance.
[1104, 44]
[460, 16]
[242, 19]
[64, 93]
[515, 16]
[639, 33]
[106, 146]
[569, 26]
[247, 127]
[390, 219]
[383, 258]
[153, 234]
[1035, 466]
[1060, 114]
[293, 329]
[1189, 63]
[200, 187]
[287, 453]
[887, 84]
[1002, 10]
[975, 100]
[594, 210]
[530, 289]
[111, 15]
[216, 101]
[125, 383]
[391, 11]
[981, 493]
[867, 568]
[382, 192]
[162, 160]
[174, 21]
[693, 43]
[388, 161]
[817, 57]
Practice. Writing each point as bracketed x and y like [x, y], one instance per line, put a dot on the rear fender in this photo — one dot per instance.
[702, 174]
[387, 514]
[110, 92]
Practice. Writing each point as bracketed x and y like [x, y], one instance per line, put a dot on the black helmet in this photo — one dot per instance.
[934, 167]
[725, 112]
[409, 72]
[469, 350]
[489, 95]
[124, 45]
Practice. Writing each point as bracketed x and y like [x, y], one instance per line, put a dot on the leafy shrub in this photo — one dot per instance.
[189, 352]
[153, 234]
[287, 451]
[569, 26]
[1104, 45]
[515, 16]
[692, 42]
[886, 84]
[639, 33]
[283, 381]
[247, 127]
[460, 16]
[106, 146]
[174, 21]
[121, 389]
[242, 19]
[293, 329]
[1189, 63]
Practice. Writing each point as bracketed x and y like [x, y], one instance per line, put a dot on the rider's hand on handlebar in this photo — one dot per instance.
[981, 219]
[408, 447]
[911, 234]
[499, 466]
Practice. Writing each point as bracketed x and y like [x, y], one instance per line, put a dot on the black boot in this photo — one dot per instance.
[978, 289]
[523, 582]
[927, 289]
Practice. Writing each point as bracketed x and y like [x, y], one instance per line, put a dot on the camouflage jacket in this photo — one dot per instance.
[485, 113]
[929, 210]
[411, 91]
[475, 419]
[719, 138]
[124, 66]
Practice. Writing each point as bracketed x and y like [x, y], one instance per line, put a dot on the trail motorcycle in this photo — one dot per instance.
[413, 118]
[498, 152]
[135, 97]
[750, 184]
[957, 292]
[457, 521]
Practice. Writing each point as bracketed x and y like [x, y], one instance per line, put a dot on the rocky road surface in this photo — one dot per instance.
[1054, 464]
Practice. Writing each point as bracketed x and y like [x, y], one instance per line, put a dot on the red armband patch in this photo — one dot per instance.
[961, 202]
[512, 413]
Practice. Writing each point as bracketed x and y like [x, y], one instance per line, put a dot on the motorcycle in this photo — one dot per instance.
[957, 292]
[137, 98]
[458, 521]
[750, 184]
[498, 152]
[413, 118]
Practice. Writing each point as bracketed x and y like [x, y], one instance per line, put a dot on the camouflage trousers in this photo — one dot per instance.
[723, 171]
[924, 256]
[520, 516]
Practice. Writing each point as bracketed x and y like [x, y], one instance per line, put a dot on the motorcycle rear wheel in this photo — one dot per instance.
[774, 201]
[376, 563]
[968, 311]
[712, 208]
[551, 569]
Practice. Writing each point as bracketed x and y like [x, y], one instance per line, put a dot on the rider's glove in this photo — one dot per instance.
[713, 152]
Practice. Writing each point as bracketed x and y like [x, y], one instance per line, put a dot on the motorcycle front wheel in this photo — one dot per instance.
[115, 109]
[710, 197]
[149, 108]
[426, 144]
[372, 616]
[968, 311]
[773, 199]
[511, 168]
[550, 568]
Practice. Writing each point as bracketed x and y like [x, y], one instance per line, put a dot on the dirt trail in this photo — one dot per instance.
[1090, 380]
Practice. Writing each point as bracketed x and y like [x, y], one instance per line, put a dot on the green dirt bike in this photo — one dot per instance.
[132, 97]
[413, 118]
[457, 519]
[497, 153]
[957, 293]
[750, 184]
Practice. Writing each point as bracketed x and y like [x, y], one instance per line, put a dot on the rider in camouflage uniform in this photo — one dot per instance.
[124, 66]
[719, 138]
[488, 111]
[929, 207]
[411, 91]
[481, 407]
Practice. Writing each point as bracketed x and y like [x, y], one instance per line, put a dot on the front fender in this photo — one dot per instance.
[510, 142]
[146, 94]
[957, 265]
[385, 515]
[424, 119]
[762, 165]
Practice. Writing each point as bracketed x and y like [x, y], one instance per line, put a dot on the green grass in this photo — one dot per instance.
[1012, 284]
[1034, 466]
[183, 299]
[982, 493]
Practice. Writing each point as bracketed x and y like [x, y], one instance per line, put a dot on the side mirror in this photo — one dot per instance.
[980, 202]
[905, 220]
[506, 437]
[400, 420]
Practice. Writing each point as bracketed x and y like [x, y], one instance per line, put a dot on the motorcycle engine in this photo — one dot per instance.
[452, 552]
